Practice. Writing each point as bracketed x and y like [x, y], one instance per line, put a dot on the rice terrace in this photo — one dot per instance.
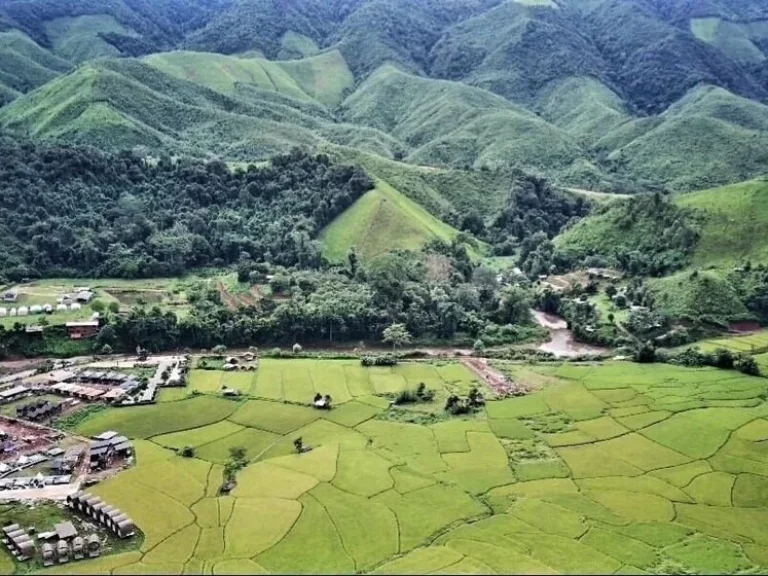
[607, 467]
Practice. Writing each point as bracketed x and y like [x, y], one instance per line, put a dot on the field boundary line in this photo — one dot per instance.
[336, 528]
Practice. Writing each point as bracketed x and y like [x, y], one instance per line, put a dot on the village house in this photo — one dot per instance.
[11, 296]
[84, 296]
[82, 329]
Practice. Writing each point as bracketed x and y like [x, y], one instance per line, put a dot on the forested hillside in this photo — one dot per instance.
[70, 211]
[612, 95]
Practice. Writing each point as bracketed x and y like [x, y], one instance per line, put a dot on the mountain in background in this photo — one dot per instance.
[611, 95]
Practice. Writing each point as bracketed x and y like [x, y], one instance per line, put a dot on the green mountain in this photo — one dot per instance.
[602, 95]
[382, 219]
[450, 124]
[708, 137]
[24, 65]
[734, 224]
[126, 103]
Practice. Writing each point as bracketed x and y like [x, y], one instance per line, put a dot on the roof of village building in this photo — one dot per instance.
[65, 530]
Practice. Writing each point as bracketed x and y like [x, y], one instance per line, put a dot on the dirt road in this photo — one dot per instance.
[497, 381]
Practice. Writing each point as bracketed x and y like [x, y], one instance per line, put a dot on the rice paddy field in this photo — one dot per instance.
[750, 344]
[612, 468]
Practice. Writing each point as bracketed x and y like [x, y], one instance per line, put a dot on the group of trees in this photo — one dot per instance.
[534, 212]
[645, 235]
[436, 295]
[73, 211]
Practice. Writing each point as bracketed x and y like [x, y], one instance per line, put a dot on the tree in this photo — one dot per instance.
[98, 306]
[352, 259]
[397, 335]
[298, 444]
[514, 306]
[114, 307]
[611, 290]
[219, 350]
[645, 353]
[328, 401]
[297, 348]
[318, 397]
[188, 452]
[238, 453]
[747, 364]
[479, 346]
[106, 349]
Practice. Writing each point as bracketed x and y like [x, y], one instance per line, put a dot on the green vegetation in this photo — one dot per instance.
[382, 220]
[368, 493]
[733, 222]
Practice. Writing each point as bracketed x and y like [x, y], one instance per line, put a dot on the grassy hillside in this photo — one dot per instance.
[698, 296]
[444, 192]
[124, 103]
[382, 220]
[78, 39]
[709, 137]
[584, 107]
[24, 65]
[323, 78]
[741, 41]
[449, 124]
[733, 222]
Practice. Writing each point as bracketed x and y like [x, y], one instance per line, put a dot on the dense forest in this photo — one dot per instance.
[70, 211]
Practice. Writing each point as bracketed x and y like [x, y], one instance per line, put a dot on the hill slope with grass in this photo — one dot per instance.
[382, 219]
[322, 78]
[125, 103]
[447, 123]
[24, 65]
[709, 137]
[734, 224]
[606, 95]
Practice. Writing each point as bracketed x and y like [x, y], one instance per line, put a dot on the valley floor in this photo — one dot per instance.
[605, 468]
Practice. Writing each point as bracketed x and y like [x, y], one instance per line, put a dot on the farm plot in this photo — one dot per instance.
[297, 381]
[612, 468]
[750, 344]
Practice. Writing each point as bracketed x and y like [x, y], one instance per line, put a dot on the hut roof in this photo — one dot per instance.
[11, 528]
[65, 530]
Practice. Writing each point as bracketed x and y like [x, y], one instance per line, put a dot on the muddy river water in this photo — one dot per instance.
[562, 342]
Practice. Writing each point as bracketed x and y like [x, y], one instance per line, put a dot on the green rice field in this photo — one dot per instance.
[750, 344]
[612, 468]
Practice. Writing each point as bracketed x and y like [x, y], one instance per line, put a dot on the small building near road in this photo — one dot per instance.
[82, 329]
[11, 295]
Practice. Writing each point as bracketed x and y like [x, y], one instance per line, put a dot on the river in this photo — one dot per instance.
[561, 341]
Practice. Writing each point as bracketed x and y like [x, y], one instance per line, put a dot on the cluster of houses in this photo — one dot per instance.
[111, 387]
[69, 545]
[65, 303]
[106, 447]
[108, 516]
[39, 410]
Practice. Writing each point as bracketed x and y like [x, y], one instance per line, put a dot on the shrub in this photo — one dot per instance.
[645, 353]
[747, 365]
[188, 452]
[385, 360]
